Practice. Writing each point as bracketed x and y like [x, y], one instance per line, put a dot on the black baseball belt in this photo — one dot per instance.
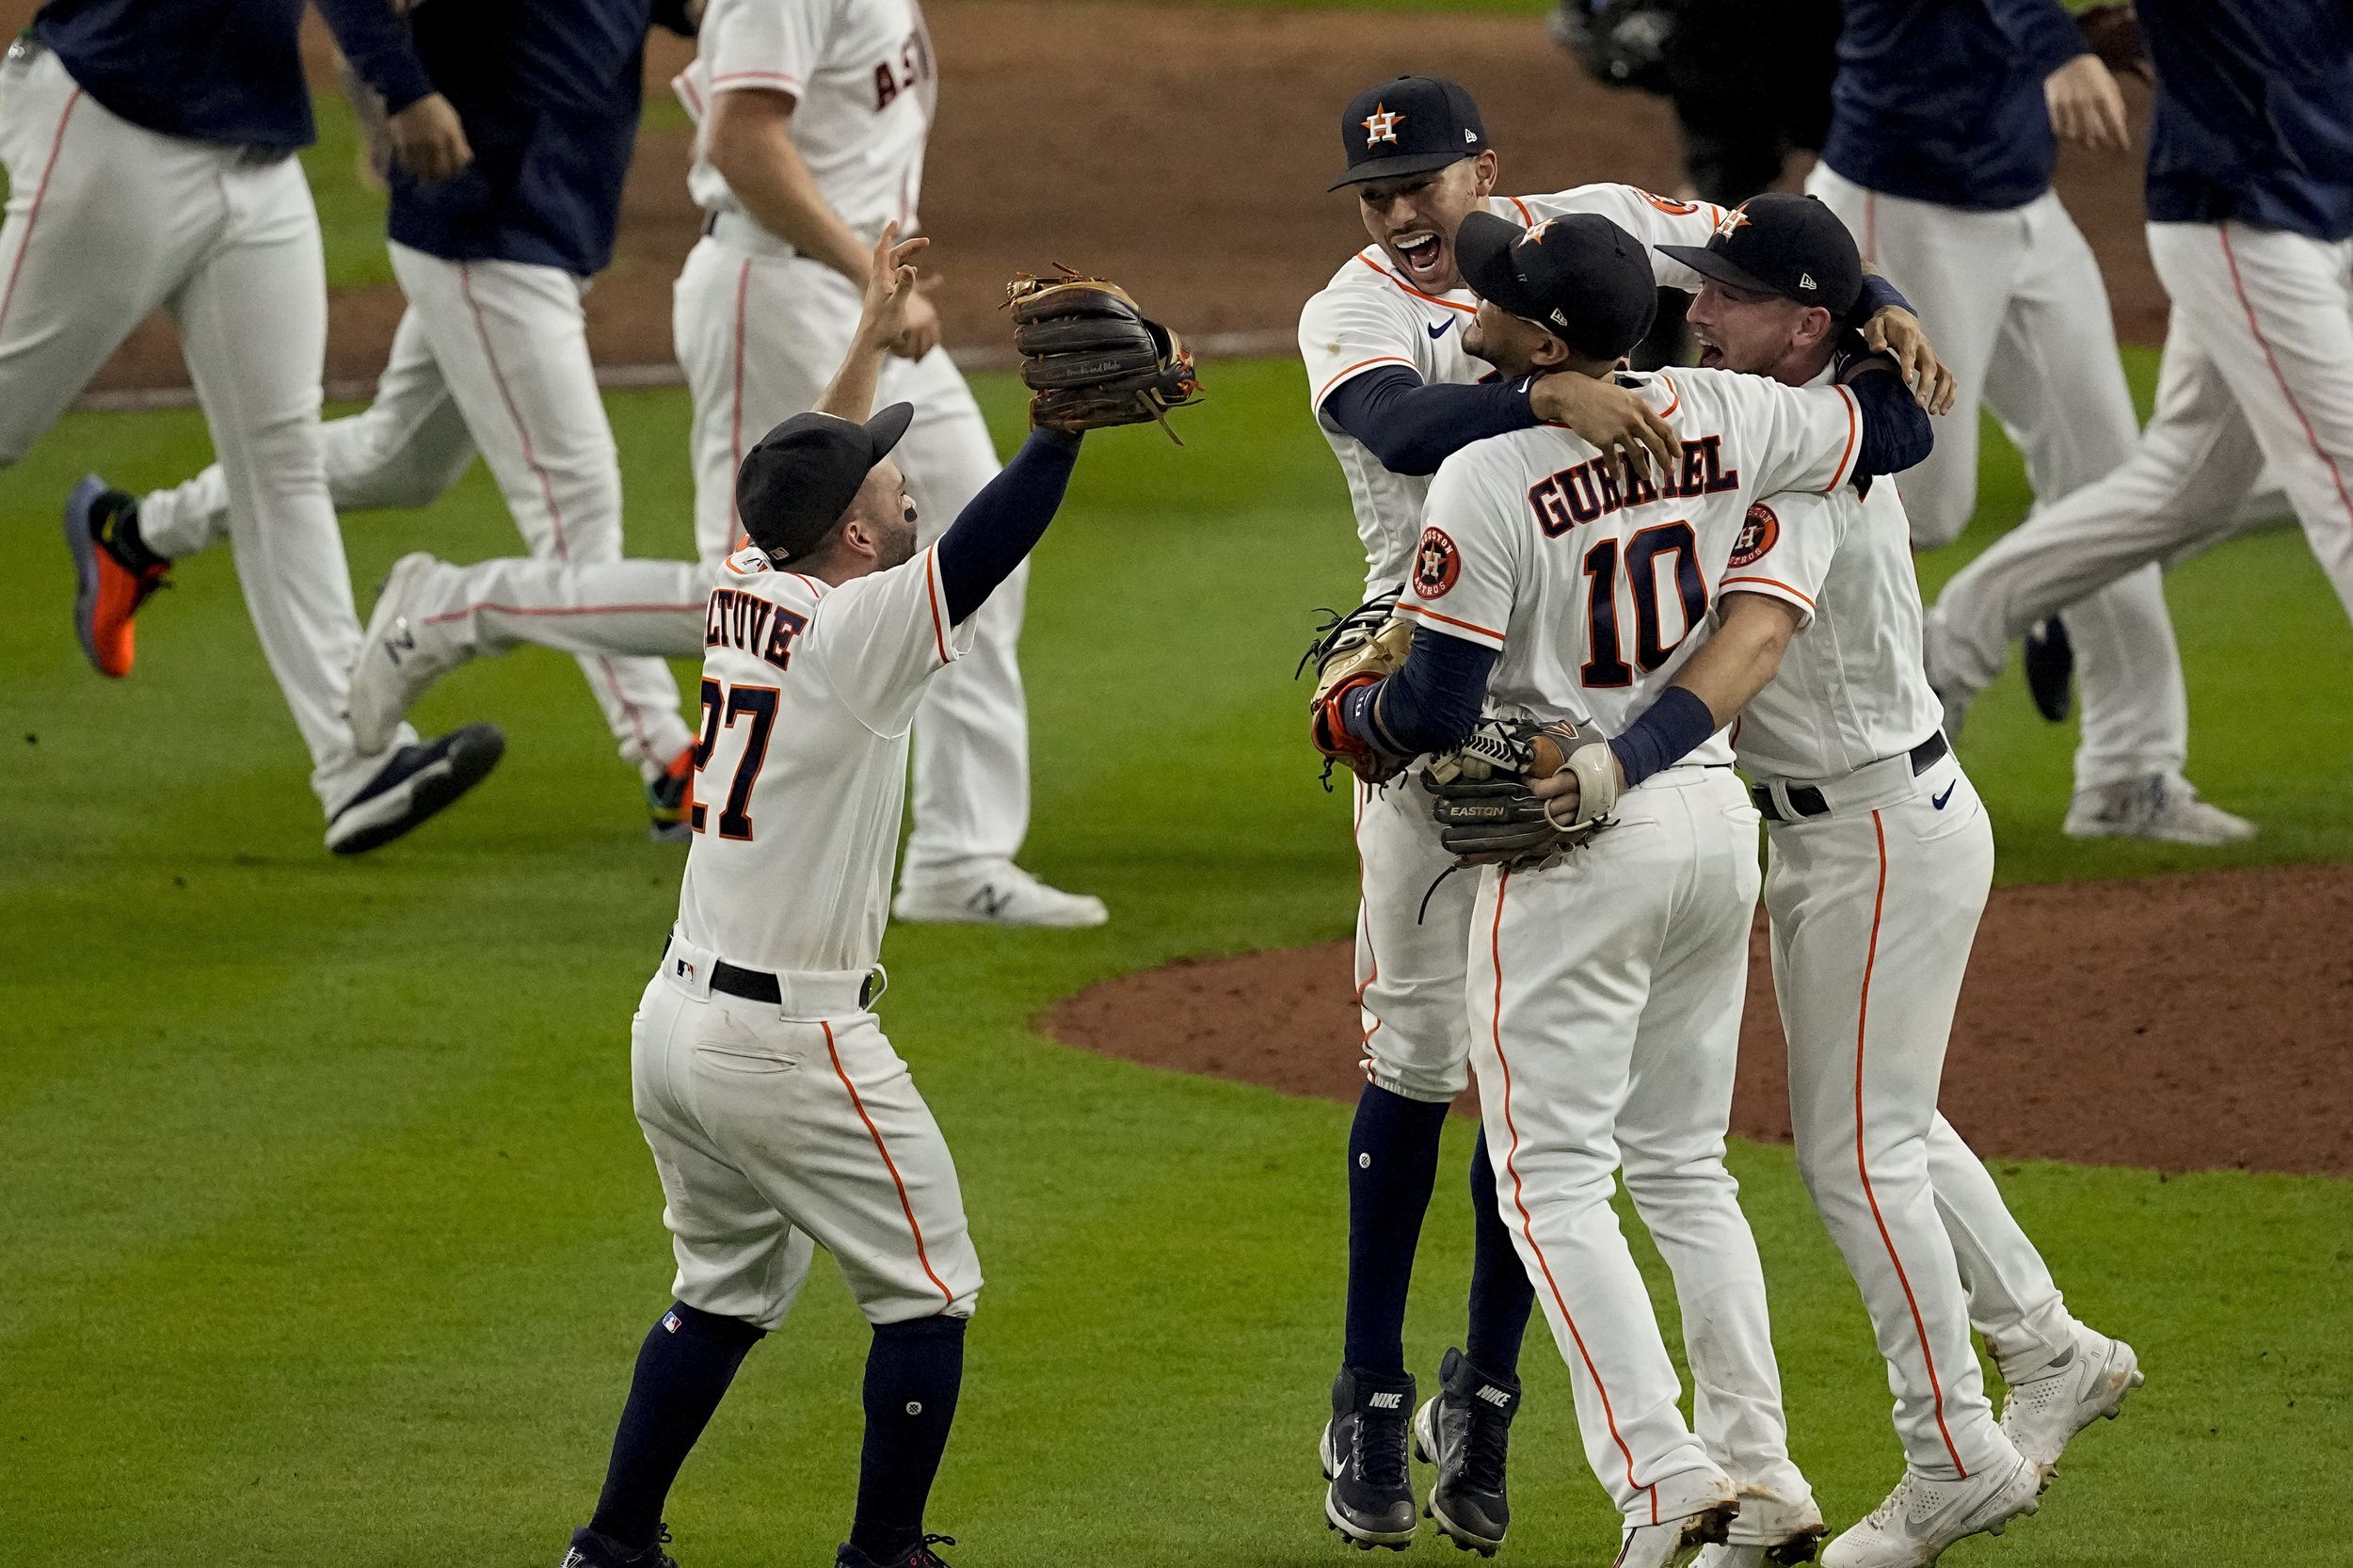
[1806, 801]
[759, 984]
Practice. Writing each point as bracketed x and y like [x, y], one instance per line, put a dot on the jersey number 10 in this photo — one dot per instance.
[1606, 665]
[722, 706]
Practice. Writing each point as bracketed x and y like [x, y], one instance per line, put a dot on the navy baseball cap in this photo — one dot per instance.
[1579, 277]
[1782, 244]
[1410, 125]
[798, 479]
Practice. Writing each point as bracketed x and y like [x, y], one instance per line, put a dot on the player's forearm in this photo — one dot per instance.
[1432, 701]
[851, 392]
[1412, 427]
[1896, 430]
[750, 148]
[376, 42]
[1737, 662]
[999, 527]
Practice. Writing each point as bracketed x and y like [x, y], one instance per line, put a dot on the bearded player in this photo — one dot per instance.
[1394, 392]
[780, 1117]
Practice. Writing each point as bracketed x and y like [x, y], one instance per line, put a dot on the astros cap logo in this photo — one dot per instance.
[1381, 125]
[1736, 219]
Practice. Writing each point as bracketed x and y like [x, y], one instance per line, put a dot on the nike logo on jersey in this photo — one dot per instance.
[1441, 330]
[1938, 801]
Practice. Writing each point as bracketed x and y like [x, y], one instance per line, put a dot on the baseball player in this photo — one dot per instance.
[493, 352]
[1606, 990]
[1394, 392]
[1942, 142]
[2250, 224]
[780, 1117]
[1881, 858]
[151, 163]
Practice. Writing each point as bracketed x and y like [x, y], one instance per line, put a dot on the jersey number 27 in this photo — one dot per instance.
[723, 706]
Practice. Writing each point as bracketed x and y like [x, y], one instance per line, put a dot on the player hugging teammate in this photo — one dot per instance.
[1597, 963]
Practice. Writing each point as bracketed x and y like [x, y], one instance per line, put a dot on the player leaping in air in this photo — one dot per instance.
[1395, 390]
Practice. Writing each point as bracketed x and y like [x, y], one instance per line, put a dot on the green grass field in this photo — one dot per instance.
[328, 1236]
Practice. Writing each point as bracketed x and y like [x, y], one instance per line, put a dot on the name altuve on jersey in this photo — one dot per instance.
[757, 626]
[1599, 486]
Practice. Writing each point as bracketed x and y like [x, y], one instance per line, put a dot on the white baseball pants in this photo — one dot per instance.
[1605, 995]
[403, 450]
[2258, 371]
[780, 1129]
[2014, 303]
[1412, 944]
[759, 336]
[107, 221]
[493, 354]
[1874, 909]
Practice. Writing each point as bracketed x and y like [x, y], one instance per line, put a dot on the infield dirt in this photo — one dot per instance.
[2177, 1022]
[1184, 150]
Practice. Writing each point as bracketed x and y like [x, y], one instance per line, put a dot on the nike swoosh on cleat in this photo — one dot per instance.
[1441, 331]
[1938, 801]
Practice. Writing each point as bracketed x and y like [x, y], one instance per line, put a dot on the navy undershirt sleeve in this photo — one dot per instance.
[1432, 701]
[1878, 295]
[1413, 426]
[1895, 429]
[378, 43]
[999, 527]
[1669, 730]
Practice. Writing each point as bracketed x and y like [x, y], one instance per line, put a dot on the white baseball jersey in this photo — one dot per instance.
[1367, 316]
[1852, 688]
[864, 85]
[1590, 582]
[808, 692]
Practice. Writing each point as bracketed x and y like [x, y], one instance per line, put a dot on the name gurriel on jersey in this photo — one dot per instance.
[1600, 486]
[759, 627]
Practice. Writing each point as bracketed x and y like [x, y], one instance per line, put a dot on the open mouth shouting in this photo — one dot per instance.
[1423, 255]
[1711, 354]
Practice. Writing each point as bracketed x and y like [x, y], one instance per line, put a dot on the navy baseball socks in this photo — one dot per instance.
[1464, 1431]
[914, 1372]
[683, 1369]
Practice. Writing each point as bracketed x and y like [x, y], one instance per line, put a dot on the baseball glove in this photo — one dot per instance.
[1351, 651]
[1484, 811]
[1092, 358]
[2112, 32]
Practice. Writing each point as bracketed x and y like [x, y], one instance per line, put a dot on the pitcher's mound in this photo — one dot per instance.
[2182, 1022]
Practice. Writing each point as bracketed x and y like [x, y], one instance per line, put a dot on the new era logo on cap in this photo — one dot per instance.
[1805, 280]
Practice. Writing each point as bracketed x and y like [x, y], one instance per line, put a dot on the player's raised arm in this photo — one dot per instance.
[890, 284]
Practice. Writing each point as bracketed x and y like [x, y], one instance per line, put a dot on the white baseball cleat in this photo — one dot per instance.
[1674, 1543]
[1915, 1524]
[1003, 894]
[1769, 1532]
[401, 655]
[2048, 1408]
[2163, 806]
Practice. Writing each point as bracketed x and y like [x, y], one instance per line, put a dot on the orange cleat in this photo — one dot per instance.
[101, 530]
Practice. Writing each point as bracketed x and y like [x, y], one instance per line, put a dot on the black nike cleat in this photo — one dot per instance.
[1465, 1431]
[917, 1555]
[417, 782]
[590, 1550]
[2050, 662]
[1370, 1498]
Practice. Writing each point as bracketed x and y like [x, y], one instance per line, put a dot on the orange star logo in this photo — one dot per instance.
[1734, 218]
[1537, 233]
[1381, 125]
